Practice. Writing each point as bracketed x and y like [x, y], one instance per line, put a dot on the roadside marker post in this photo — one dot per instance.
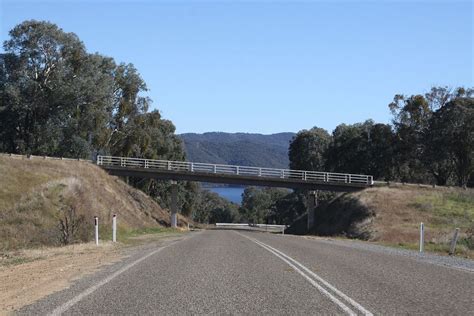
[96, 224]
[114, 228]
[422, 237]
[452, 249]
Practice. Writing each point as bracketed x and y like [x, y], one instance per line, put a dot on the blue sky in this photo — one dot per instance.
[271, 66]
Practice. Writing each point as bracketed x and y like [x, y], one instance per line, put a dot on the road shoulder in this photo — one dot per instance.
[30, 275]
[452, 262]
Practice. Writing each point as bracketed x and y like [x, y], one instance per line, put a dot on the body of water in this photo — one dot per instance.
[231, 194]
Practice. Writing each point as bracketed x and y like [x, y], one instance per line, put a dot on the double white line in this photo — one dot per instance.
[322, 285]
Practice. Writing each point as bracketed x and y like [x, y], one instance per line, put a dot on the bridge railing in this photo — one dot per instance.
[196, 167]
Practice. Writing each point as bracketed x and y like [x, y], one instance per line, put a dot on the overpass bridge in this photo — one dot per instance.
[230, 174]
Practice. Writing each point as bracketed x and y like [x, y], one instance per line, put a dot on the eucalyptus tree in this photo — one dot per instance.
[307, 149]
[452, 138]
[416, 158]
[55, 95]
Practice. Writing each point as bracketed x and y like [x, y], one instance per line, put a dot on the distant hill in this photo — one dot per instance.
[238, 148]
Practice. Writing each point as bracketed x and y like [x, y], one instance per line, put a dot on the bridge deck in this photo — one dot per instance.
[243, 175]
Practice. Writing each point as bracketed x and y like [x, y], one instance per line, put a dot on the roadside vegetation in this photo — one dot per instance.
[392, 216]
[57, 99]
[37, 196]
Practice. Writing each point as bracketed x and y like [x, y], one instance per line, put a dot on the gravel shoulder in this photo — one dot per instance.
[426, 257]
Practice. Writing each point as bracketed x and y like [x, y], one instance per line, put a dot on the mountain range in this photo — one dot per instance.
[243, 149]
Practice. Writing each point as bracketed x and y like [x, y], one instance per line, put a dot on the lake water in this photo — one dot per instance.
[231, 194]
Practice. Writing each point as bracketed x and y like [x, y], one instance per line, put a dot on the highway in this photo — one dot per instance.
[245, 272]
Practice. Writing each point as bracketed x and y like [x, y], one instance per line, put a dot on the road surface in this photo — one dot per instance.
[239, 272]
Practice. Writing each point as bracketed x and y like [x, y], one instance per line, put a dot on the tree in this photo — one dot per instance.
[411, 117]
[438, 97]
[39, 57]
[257, 204]
[211, 208]
[362, 148]
[452, 140]
[53, 92]
[381, 151]
[307, 149]
[288, 208]
[417, 160]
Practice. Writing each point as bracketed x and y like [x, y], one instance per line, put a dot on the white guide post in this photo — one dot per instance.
[114, 228]
[311, 206]
[96, 226]
[174, 204]
[422, 237]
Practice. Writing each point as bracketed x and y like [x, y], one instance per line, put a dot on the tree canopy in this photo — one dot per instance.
[58, 99]
[430, 141]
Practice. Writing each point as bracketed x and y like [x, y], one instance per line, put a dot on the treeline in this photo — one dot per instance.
[58, 99]
[259, 205]
[430, 141]
[210, 208]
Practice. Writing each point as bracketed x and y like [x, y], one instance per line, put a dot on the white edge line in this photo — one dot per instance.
[314, 283]
[64, 307]
[399, 252]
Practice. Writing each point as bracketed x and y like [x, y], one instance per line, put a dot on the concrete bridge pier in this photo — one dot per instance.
[174, 204]
[311, 205]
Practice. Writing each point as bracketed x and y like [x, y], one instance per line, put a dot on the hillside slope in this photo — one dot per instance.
[392, 215]
[35, 194]
[238, 148]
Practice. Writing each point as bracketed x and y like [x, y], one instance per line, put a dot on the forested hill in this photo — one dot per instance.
[238, 148]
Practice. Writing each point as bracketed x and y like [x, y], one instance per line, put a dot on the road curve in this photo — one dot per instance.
[237, 272]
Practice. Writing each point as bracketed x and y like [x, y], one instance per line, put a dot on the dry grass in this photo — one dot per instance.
[33, 193]
[399, 211]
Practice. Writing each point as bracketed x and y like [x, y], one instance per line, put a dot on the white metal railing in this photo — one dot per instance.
[197, 167]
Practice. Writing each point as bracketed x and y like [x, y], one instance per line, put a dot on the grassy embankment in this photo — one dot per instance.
[35, 194]
[392, 215]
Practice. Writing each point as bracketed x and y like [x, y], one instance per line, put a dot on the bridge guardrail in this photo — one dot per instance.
[197, 167]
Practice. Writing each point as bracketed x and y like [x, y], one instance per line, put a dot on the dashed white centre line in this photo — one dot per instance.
[323, 286]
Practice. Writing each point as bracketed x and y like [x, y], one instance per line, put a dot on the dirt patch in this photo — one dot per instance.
[29, 275]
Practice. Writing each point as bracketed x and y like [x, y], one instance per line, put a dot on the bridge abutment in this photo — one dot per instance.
[174, 204]
[311, 206]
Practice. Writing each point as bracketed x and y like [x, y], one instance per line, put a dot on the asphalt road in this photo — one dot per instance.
[237, 272]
